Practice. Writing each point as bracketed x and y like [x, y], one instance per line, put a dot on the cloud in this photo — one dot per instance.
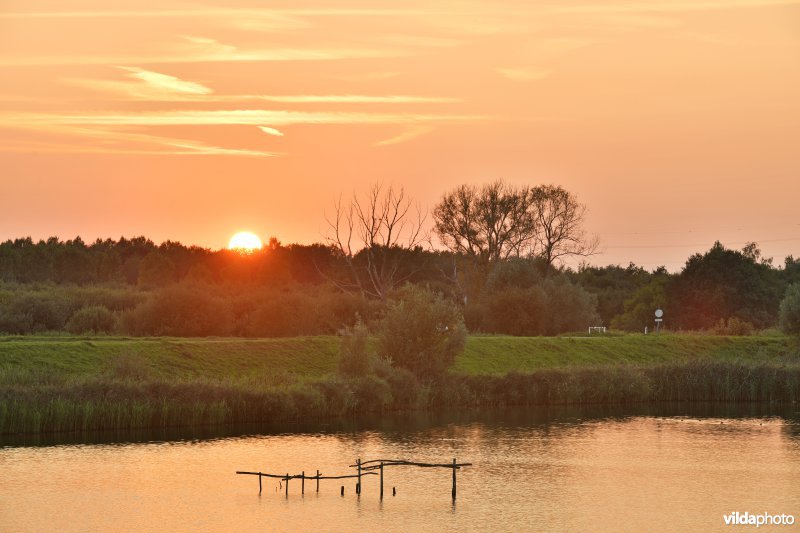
[524, 73]
[367, 76]
[119, 142]
[670, 6]
[111, 129]
[249, 117]
[154, 86]
[167, 83]
[148, 85]
[271, 131]
[352, 99]
[242, 13]
[407, 135]
[204, 50]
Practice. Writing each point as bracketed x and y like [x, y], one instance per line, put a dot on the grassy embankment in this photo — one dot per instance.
[60, 383]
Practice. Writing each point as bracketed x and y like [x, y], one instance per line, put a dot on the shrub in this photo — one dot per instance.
[515, 311]
[733, 326]
[371, 393]
[552, 306]
[91, 319]
[355, 357]
[403, 384]
[284, 314]
[180, 310]
[790, 310]
[421, 332]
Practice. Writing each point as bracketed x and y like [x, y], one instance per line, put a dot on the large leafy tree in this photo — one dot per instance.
[790, 310]
[724, 283]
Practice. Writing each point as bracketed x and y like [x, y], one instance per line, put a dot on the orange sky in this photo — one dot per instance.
[677, 122]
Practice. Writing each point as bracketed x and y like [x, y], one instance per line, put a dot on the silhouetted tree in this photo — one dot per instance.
[559, 223]
[725, 283]
[790, 310]
[372, 235]
[492, 222]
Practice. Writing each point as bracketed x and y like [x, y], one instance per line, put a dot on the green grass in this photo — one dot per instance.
[498, 355]
[175, 358]
[303, 358]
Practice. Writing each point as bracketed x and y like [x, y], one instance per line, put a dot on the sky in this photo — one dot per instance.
[676, 122]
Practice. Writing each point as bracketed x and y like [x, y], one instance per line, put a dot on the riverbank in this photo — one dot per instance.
[81, 384]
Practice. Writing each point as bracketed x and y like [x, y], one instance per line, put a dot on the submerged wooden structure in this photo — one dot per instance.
[373, 467]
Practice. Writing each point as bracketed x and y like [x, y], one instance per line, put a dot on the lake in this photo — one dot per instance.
[663, 468]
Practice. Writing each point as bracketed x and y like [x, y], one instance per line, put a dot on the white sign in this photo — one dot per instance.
[659, 313]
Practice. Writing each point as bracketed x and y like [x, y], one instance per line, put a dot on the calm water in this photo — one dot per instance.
[533, 470]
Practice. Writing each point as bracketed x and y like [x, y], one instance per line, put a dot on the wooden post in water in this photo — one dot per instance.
[342, 490]
[454, 478]
[381, 480]
[317, 480]
[303, 482]
[358, 485]
[287, 484]
[259, 482]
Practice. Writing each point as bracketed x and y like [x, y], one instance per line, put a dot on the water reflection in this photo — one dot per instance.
[419, 425]
[578, 469]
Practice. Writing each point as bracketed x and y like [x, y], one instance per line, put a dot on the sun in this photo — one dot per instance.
[244, 241]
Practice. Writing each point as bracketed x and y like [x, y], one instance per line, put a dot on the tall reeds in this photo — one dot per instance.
[127, 397]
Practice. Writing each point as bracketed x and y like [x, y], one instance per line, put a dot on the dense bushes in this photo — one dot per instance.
[288, 291]
[191, 308]
[733, 326]
[92, 319]
[355, 356]
[36, 308]
[790, 310]
[421, 332]
[518, 300]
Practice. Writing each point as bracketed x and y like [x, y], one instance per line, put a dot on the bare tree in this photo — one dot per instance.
[559, 220]
[372, 235]
[492, 222]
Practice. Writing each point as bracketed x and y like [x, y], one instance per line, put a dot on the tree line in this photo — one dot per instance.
[499, 261]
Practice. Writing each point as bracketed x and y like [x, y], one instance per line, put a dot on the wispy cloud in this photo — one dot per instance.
[154, 86]
[290, 17]
[147, 85]
[205, 50]
[271, 131]
[112, 130]
[214, 12]
[670, 6]
[368, 76]
[351, 99]
[524, 73]
[111, 141]
[407, 135]
[249, 117]
[167, 83]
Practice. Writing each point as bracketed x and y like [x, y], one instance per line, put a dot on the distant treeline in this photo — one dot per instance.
[135, 287]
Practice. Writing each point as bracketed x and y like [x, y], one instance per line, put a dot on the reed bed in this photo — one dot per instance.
[42, 403]
[98, 384]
